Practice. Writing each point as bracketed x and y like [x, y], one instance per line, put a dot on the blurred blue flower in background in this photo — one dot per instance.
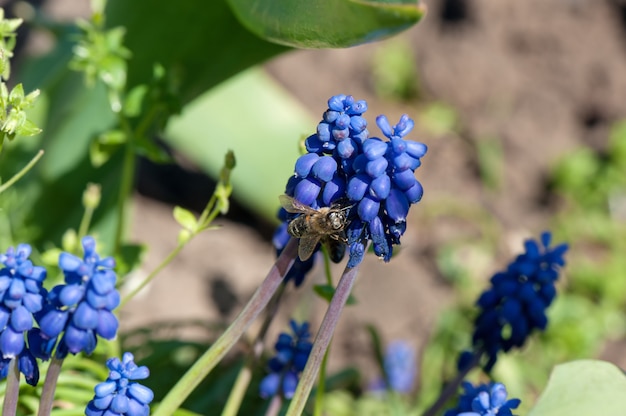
[516, 303]
[120, 394]
[292, 353]
[81, 309]
[21, 296]
[375, 176]
[484, 400]
[400, 366]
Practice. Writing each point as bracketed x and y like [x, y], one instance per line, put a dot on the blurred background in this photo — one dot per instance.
[521, 105]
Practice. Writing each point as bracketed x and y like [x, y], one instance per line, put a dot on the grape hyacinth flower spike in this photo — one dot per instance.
[120, 394]
[21, 296]
[517, 301]
[292, 353]
[81, 309]
[374, 177]
[484, 400]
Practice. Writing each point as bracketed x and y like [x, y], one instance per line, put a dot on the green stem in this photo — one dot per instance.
[152, 275]
[237, 393]
[452, 387]
[22, 172]
[324, 335]
[201, 368]
[49, 387]
[9, 408]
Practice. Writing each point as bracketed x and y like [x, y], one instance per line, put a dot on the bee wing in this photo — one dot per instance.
[307, 245]
[293, 206]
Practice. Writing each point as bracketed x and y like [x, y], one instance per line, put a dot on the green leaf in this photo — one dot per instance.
[327, 23]
[264, 133]
[134, 99]
[185, 218]
[200, 43]
[585, 387]
[101, 149]
[327, 292]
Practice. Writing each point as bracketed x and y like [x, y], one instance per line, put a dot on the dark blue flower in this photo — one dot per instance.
[484, 400]
[292, 353]
[21, 296]
[375, 176]
[517, 300]
[81, 309]
[120, 394]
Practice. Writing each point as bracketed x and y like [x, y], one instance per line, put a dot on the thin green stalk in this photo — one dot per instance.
[452, 387]
[9, 408]
[49, 387]
[324, 335]
[22, 172]
[152, 275]
[201, 368]
[237, 393]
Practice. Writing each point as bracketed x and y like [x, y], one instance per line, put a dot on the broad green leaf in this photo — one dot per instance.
[200, 43]
[327, 23]
[585, 387]
[265, 142]
[327, 292]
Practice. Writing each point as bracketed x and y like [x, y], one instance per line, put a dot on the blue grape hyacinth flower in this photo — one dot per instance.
[292, 353]
[376, 177]
[400, 366]
[484, 400]
[81, 309]
[518, 298]
[120, 394]
[21, 296]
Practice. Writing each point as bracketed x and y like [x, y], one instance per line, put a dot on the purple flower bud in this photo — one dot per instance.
[376, 167]
[398, 146]
[11, 343]
[397, 205]
[357, 251]
[330, 116]
[340, 134]
[380, 187]
[16, 290]
[21, 319]
[269, 385]
[368, 208]
[107, 324]
[374, 148]
[333, 190]
[403, 161]
[384, 126]
[290, 382]
[404, 179]
[305, 163]
[71, 294]
[69, 262]
[414, 194]
[358, 108]
[324, 168]
[357, 187]
[346, 148]
[28, 366]
[404, 126]
[85, 317]
[313, 144]
[343, 121]
[307, 191]
[358, 124]
[335, 102]
[323, 132]
[416, 149]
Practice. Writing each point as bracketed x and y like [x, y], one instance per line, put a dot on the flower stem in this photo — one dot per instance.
[9, 408]
[321, 386]
[322, 341]
[201, 368]
[452, 387]
[274, 406]
[49, 387]
[237, 393]
[22, 172]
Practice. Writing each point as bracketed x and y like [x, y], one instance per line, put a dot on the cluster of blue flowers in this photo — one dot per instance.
[81, 309]
[516, 303]
[78, 311]
[375, 176]
[22, 295]
[484, 400]
[400, 366]
[120, 394]
[292, 353]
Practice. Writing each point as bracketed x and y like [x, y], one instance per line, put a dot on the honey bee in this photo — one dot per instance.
[325, 225]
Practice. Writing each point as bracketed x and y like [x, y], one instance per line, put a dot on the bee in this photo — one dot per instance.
[325, 225]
